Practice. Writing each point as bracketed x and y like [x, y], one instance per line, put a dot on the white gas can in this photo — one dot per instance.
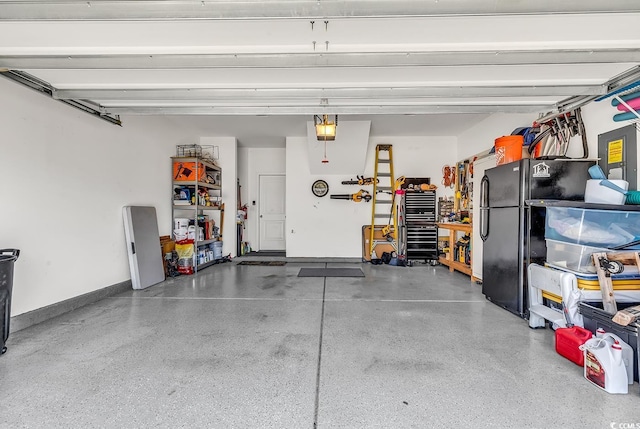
[603, 365]
[627, 352]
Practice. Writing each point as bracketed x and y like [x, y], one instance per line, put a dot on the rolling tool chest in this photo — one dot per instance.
[420, 219]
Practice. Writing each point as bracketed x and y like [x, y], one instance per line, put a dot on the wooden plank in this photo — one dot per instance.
[455, 265]
[606, 285]
[627, 258]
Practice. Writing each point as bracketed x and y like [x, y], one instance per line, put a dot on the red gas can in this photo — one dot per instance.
[568, 341]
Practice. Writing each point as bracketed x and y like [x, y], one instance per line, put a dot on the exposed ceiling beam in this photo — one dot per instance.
[571, 103]
[312, 104]
[304, 60]
[260, 9]
[261, 94]
[315, 110]
[45, 88]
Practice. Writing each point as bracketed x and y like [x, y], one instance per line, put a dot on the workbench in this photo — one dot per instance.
[448, 259]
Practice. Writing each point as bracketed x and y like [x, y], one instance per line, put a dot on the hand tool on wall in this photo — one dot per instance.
[357, 197]
[362, 181]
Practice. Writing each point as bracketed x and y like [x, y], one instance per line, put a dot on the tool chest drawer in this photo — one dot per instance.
[420, 201]
[426, 217]
[422, 233]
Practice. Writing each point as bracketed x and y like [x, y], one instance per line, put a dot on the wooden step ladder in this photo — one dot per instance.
[383, 208]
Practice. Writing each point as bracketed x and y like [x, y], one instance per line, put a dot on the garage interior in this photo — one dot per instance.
[98, 94]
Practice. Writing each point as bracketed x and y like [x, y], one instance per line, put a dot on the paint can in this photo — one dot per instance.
[217, 250]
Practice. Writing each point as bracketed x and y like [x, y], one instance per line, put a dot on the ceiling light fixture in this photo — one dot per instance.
[325, 129]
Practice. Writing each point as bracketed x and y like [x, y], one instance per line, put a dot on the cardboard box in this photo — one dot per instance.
[381, 246]
[627, 316]
[186, 171]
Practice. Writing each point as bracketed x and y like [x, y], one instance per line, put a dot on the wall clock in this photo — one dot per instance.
[320, 188]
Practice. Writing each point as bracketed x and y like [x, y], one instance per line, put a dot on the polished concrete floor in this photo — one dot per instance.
[258, 347]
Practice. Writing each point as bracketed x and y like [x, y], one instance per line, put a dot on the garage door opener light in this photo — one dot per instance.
[325, 130]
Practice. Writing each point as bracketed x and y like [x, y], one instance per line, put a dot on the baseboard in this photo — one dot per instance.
[24, 320]
[258, 257]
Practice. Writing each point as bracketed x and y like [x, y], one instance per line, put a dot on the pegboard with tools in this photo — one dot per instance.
[463, 186]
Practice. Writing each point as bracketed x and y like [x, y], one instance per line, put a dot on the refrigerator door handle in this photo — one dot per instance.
[484, 208]
[484, 192]
[484, 224]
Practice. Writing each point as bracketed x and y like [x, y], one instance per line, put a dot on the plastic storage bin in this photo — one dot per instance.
[575, 257]
[590, 227]
[596, 193]
[595, 317]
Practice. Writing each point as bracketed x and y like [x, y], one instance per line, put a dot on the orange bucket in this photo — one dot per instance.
[508, 149]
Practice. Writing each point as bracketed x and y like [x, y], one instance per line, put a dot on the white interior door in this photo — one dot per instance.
[272, 212]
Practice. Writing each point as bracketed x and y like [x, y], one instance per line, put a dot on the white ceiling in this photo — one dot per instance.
[431, 67]
[271, 131]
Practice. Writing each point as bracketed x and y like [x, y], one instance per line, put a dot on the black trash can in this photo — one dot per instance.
[7, 258]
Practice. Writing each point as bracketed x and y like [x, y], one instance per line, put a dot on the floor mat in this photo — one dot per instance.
[330, 272]
[269, 263]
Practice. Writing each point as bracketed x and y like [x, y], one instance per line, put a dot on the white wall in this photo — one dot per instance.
[321, 227]
[346, 153]
[66, 177]
[482, 135]
[255, 162]
[228, 161]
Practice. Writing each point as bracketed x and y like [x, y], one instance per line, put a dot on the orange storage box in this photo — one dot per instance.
[186, 171]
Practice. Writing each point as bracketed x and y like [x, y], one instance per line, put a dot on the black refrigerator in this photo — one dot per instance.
[512, 232]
